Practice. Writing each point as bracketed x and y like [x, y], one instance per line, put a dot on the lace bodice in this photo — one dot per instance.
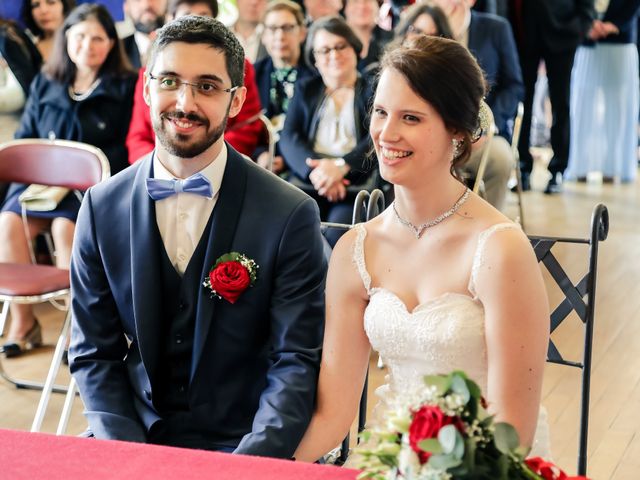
[443, 334]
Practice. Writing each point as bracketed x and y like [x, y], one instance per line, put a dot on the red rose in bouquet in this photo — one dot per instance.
[547, 470]
[426, 423]
[232, 274]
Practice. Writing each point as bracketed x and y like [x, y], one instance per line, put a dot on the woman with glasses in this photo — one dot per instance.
[43, 18]
[84, 93]
[277, 74]
[324, 141]
[423, 19]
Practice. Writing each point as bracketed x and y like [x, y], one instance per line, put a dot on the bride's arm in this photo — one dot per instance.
[345, 356]
[511, 288]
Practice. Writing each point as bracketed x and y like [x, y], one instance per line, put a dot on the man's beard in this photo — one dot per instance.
[149, 26]
[172, 143]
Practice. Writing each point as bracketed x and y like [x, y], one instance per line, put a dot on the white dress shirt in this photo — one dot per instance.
[336, 133]
[182, 217]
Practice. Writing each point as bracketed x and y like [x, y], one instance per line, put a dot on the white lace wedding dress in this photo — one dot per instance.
[437, 337]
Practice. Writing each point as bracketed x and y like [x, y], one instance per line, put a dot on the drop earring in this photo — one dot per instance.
[456, 147]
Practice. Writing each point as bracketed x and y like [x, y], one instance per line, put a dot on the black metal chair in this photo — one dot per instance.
[579, 298]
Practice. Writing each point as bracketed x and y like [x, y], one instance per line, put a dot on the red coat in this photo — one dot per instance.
[242, 136]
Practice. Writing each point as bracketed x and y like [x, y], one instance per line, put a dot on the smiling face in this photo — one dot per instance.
[335, 58]
[88, 45]
[361, 13]
[186, 122]
[411, 139]
[147, 15]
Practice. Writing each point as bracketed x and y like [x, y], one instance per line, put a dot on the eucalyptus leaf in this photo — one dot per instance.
[505, 437]
[447, 438]
[431, 445]
[441, 383]
[444, 462]
[459, 386]
[459, 447]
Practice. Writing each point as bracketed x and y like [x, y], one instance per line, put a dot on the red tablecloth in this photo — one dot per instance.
[29, 456]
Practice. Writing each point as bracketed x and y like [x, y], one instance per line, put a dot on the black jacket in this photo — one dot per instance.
[23, 58]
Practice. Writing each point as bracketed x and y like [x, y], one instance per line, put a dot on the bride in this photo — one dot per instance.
[441, 280]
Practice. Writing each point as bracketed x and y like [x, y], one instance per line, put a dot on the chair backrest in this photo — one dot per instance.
[272, 138]
[579, 298]
[63, 163]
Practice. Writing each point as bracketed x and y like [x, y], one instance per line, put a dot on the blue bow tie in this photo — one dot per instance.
[197, 184]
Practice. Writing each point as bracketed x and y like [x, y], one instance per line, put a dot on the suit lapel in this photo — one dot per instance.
[145, 268]
[223, 227]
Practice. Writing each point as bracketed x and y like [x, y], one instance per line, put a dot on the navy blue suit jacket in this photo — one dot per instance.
[491, 42]
[254, 364]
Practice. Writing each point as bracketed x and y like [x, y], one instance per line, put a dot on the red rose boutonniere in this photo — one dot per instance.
[231, 275]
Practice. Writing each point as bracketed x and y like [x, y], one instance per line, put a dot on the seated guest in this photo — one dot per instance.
[423, 19]
[84, 93]
[325, 141]
[242, 131]
[147, 16]
[20, 61]
[491, 41]
[362, 17]
[277, 74]
[248, 29]
[42, 19]
[315, 9]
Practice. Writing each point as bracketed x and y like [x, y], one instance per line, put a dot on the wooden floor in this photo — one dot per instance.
[614, 434]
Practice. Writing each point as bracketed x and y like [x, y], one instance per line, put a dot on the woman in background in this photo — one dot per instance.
[84, 93]
[324, 141]
[43, 18]
[605, 96]
[423, 19]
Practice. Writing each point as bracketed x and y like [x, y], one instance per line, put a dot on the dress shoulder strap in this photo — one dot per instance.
[358, 256]
[478, 257]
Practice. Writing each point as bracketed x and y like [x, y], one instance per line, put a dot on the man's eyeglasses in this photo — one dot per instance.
[325, 51]
[286, 28]
[170, 83]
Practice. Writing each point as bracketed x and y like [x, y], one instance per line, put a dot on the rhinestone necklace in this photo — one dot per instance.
[79, 97]
[420, 229]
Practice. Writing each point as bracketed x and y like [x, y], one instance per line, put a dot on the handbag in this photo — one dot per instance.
[42, 198]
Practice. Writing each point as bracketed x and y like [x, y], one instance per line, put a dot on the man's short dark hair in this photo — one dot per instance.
[202, 30]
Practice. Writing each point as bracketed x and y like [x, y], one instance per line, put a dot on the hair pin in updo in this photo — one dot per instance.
[485, 120]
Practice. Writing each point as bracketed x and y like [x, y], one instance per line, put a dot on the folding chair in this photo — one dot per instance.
[366, 206]
[517, 127]
[579, 298]
[272, 138]
[68, 164]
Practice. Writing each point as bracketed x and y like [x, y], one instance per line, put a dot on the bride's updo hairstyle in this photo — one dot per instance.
[443, 73]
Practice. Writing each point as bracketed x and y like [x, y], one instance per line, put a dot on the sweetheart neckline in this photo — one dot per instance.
[421, 305]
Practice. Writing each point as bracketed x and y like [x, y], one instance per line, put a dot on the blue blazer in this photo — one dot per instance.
[254, 364]
[101, 120]
[297, 136]
[491, 42]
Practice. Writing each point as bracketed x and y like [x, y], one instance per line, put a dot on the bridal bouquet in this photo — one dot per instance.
[443, 432]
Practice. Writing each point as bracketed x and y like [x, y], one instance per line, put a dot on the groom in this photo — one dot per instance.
[161, 355]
